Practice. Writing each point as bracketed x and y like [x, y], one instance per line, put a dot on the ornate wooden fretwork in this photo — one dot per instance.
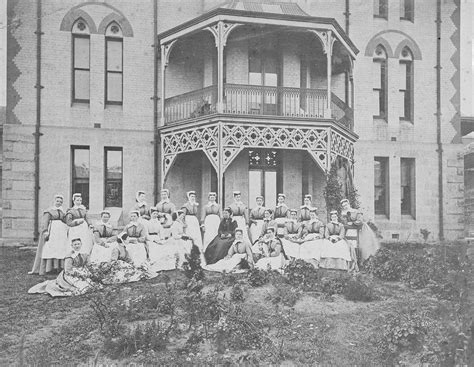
[223, 141]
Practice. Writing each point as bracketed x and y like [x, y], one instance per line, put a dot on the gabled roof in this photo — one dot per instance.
[276, 7]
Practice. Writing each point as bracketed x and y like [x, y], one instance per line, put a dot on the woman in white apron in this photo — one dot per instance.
[336, 254]
[105, 239]
[193, 229]
[240, 214]
[161, 253]
[79, 224]
[136, 246]
[256, 220]
[312, 237]
[212, 219]
[291, 240]
[53, 243]
[142, 207]
[271, 252]
[281, 214]
[168, 208]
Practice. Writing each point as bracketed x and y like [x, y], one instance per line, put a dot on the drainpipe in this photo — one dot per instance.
[156, 137]
[347, 14]
[37, 132]
[438, 121]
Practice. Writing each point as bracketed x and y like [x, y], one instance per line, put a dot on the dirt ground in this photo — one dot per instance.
[324, 331]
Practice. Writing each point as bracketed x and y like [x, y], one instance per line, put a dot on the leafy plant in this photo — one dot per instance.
[333, 190]
[303, 275]
[257, 277]
[237, 293]
[192, 265]
[284, 294]
[425, 234]
[357, 290]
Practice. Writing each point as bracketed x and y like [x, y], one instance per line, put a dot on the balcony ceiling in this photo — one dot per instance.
[282, 14]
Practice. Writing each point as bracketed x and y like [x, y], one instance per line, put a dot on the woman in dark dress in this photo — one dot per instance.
[220, 245]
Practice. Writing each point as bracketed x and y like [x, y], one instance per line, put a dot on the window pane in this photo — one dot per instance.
[81, 84]
[114, 87]
[270, 188]
[80, 173]
[407, 173]
[114, 164]
[81, 52]
[255, 186]
[114, 55]
[113, 178]
[403, 75]
[381, 193]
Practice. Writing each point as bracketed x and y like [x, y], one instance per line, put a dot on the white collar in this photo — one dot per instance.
[133, 224]
[57, 208]
[141, 203]
[79, 207]
[75, 254]
[280, 205]
[164, 201]
[193, 203]
[334, 222]
[211, 203]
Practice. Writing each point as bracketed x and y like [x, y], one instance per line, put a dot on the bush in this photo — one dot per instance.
[257, 277]
[356, 290]
[285, 294]
[332, 286]
[303, 275]
[386, 264]
[242, 331]
[192, 265]
[237, 293]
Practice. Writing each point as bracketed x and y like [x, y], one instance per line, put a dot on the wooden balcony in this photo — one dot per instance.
[240, 99]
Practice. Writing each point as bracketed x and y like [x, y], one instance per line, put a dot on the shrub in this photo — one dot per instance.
[257, 277]
[192, 265]
[332, 286]
[386, 264]
[237, 293]
[357, 290]
[285, 294]
[302, 274]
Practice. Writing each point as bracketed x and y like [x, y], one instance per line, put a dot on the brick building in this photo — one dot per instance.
[109, 97]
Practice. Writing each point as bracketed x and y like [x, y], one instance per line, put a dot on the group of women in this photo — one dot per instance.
[160, 236]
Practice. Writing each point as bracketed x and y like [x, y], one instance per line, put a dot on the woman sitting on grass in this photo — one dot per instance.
[104, 239]
[74, 279]
[137, 239]
[269, 251]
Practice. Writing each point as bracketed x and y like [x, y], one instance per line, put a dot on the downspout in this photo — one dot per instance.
[37, 133]
[347, 14]
[156, 137]
[438, 121]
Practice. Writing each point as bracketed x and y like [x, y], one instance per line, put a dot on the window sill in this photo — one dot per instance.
[380, 118]
[407, 19]
[381, 16]
[381, 217]
[80, 103]
[403, 119]
[408, 218]
[114, 107]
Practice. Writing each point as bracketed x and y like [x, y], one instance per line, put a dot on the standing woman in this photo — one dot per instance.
[256, 220]
[193, 229]
[212, 218]
[104, 239]
[240, 213]
[358, 233]
[168, 208]
[220, 245]
[136, 239]
[53, 242]
[306, 208]
[79, 224]
[142, 207]
[281, 214]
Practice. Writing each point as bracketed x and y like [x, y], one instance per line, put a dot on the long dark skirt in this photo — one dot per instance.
[217, 249]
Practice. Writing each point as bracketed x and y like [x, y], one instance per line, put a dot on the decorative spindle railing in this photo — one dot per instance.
[192, 104]
[240, 99]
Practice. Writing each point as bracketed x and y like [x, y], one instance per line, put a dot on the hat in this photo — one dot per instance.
[211, 194]
[189, 193]
[153, 209]
[313, 210]
[271, 229]
[333, 212]
[104, 212]
[134, 212]
[59, 196]
[76, 195]
[308, 196]
[258, 197]
[268, 210]
[76, 239]
[175, 214]
[239, 230]
[282, 195]
[139, 193]
[229, 210]
[165, 190]
[235, 193]
[293, 211]
[344, 201]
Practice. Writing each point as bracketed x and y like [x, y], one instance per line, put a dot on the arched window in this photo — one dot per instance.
[381, 81]
[406, 87]
[113, 64]
[81, 61]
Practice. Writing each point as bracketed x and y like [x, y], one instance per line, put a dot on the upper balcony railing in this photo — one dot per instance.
[240, 99]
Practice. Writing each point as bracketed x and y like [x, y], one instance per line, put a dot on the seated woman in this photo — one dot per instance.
[291, 240]
[358, 233]
[336, 254]
[239, 250]
[270, 252]
[180, 242]
[142, 207]
[256, 220]
[268, 222]
[105, 239]
[312, 234]
[306, 208]
[168, 208]
[53, 244]
[74, 279]
[193, 229]
[281, 214]
[120, 252]
[136, 239]
[220, 245]
[79, 224]
[212, 219]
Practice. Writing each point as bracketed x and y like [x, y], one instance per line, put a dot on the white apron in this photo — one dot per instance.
[57, 245]
[193, 230]
[211, 227]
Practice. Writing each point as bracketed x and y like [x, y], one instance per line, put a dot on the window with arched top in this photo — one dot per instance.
[407, 85]
[113, 64]
[81, 61]
[381, 81]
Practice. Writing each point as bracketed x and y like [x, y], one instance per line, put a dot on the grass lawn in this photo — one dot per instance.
[231, 322]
